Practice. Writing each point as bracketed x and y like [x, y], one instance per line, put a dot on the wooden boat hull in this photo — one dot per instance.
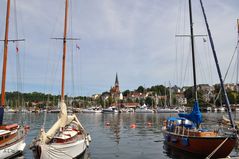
[196, 145]
[13, 150]
[60, 151]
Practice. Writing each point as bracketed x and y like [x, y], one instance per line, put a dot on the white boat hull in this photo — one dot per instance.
[13, 150]
[144, 111]
[62, 151]
[167, 111]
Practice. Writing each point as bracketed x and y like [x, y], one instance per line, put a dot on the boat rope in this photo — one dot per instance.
[214, 151]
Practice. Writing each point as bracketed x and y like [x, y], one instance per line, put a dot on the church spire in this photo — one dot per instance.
[116, 80]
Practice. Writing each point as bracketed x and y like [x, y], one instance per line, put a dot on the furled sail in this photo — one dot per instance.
[59, 124]
[195, 116]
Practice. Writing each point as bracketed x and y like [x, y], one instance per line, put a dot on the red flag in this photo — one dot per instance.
[17, 50]
[77, 46]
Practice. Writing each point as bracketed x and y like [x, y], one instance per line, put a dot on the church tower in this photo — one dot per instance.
[117, 83]
[115, 90]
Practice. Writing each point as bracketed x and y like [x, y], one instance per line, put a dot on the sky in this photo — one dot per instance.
[133, 38]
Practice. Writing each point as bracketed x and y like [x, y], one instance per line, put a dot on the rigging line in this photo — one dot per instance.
[218, 67]
[183, 59]
[183, 40]
[72, 51]
[20, 59]
[55, 71]
[209, 64]
[237, 89]
[234, 70]
[47, 76]
[217, 97]
[186, 67]
[231, 61]
[176, 64]
[78, 63]
[18, 66]
[176, 32]
[203, 70]
[198, 63]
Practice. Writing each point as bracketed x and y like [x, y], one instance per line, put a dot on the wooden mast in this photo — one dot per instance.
[64, 52]
[4, 68]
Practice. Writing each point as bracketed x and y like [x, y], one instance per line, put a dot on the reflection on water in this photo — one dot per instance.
[113, 135]
[176, 154]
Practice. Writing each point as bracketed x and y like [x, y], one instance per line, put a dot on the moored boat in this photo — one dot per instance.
[92, 110]
[110, 110]
[143, 109]
[12, 136]
[167, 110]
[67, 138]
[185, 132]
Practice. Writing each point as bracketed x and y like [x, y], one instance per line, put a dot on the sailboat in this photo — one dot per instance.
[185, 132]
[12, 136]
[67, 138]
[167, 109]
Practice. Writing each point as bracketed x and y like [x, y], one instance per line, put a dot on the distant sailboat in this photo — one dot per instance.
[67, 138]
[12, 136]
[185, 132]
[167, 109]
[143, 109]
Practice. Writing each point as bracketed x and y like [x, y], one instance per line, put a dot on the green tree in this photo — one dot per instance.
[126, 93]
[149, 101]
[140, 89]
[141, 101]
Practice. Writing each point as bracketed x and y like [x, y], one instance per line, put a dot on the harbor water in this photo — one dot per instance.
[116, 136]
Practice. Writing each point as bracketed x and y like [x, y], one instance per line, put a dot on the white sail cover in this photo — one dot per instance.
[60, 123]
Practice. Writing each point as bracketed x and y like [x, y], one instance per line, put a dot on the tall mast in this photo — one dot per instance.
[64, 52]
[218, 67]
[193, 53]
[4, 67]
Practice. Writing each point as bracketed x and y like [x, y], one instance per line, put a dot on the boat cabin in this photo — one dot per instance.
[185, 127]
[172, 122]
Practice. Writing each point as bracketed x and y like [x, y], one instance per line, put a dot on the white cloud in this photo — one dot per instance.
[134, 38]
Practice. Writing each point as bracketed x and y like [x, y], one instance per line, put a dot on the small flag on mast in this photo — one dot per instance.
[17, 49]
[77, 46]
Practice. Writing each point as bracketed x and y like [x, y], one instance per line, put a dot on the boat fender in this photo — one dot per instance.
[89, 137]
[133, 126]
[185, 141]
[87, 142]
